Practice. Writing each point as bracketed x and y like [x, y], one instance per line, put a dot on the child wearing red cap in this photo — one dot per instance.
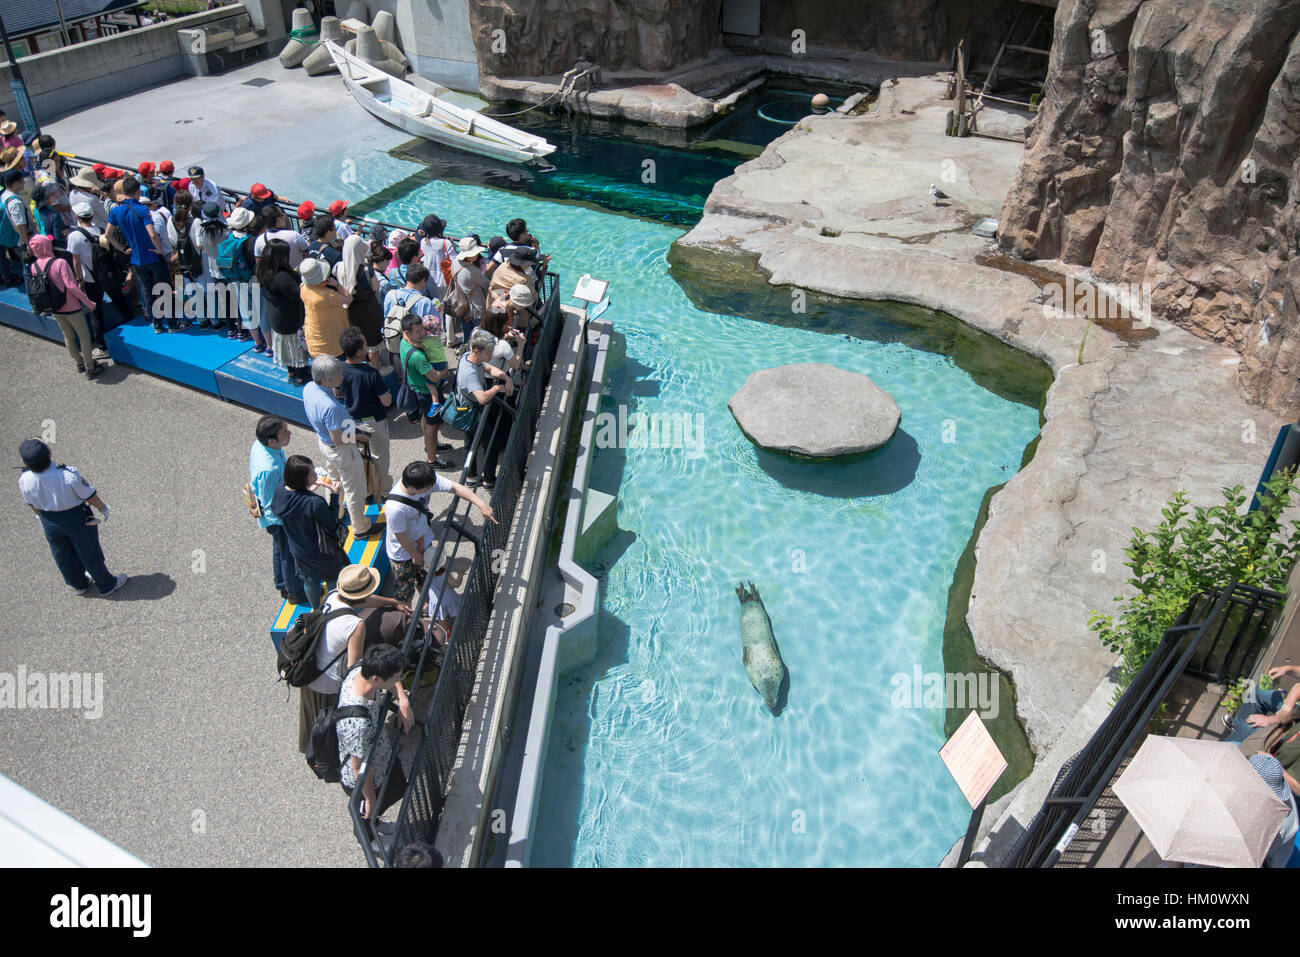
[339, 209]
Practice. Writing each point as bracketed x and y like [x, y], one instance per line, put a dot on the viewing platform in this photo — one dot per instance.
[199, 358]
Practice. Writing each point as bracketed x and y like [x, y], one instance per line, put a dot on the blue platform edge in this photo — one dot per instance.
[363, 551]
[198, 358]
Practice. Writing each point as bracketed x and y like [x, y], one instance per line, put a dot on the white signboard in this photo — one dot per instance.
[973, 759]
[591, 290]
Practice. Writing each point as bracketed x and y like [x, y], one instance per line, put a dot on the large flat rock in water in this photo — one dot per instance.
[814, 410]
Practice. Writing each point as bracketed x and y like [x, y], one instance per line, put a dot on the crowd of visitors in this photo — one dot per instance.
[370, 324]
[183, 252]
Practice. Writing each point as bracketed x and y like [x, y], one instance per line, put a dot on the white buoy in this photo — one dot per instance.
[319, 60]
[821, 102]
[296, 50]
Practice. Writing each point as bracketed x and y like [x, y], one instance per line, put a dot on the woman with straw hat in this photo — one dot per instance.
[344, 641]
[9, 135]
[325, 308]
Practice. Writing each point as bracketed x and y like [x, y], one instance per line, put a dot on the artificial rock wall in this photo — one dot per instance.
[546, 37]
[1168, 153]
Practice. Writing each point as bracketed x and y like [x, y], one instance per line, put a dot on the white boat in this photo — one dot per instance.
[406, 106]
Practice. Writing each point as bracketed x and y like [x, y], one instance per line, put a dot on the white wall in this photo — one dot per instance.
[435, 36]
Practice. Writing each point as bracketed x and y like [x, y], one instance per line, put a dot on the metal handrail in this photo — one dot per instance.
[360, 224]
[462, 649]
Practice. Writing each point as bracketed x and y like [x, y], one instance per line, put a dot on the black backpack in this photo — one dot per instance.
[188, 258]
[104, 269]
[295, 661]
[323, 748]
[41, 290]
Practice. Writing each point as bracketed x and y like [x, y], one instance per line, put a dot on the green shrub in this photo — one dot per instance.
[1185, 556]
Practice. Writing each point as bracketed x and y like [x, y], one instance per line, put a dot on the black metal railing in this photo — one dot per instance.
[1232, 647]
[443, 719]
[1082, 780]
[359, 224]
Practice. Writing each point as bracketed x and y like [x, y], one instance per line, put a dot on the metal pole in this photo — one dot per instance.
[63, 24]
[30, 124]
[968, 845]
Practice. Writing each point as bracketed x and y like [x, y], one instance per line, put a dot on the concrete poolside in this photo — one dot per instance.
[277, 132]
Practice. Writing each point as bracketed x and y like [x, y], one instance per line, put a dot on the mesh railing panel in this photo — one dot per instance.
[443, 721]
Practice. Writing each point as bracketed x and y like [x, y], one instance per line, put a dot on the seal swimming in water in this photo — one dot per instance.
[762, 657]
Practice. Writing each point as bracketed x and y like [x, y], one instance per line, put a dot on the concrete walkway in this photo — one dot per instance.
[195, 759]
[242, 129]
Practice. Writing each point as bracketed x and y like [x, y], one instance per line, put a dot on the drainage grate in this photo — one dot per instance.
[258, 81]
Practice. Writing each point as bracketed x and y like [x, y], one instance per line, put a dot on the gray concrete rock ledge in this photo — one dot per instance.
[814, 410]
[687, 97]
[841, 205]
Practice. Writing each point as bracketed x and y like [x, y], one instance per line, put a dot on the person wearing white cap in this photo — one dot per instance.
[1270, 770]
[325, 308]
[238, 264]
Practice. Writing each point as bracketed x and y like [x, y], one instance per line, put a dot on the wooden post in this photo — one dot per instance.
[961, 78]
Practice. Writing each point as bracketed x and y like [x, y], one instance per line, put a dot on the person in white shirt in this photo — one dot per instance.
[80, 244]
[62, 499]
[204, 190]
[89, 188]
[277, 227]
[82, 240]
[339, 209]
[508, 353]
[161, 216]
[408, 533]
[434, 248]
[344, 641]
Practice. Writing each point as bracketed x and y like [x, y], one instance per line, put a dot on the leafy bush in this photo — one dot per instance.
[1183, 557]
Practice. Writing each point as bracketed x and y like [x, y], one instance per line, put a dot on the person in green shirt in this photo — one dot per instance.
[423, 379]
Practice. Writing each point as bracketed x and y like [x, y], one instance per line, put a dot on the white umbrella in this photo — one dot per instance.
[1201, 802]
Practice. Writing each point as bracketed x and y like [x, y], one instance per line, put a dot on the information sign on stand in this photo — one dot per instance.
[975, 763]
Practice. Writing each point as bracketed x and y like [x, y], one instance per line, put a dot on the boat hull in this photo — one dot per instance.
[489, 142]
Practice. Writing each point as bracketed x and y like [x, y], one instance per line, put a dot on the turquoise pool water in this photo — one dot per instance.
[661, 752]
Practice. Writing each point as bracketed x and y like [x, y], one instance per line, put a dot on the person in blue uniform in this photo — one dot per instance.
[63, 500]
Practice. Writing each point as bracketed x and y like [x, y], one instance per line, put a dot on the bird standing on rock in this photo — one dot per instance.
[937, 193]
